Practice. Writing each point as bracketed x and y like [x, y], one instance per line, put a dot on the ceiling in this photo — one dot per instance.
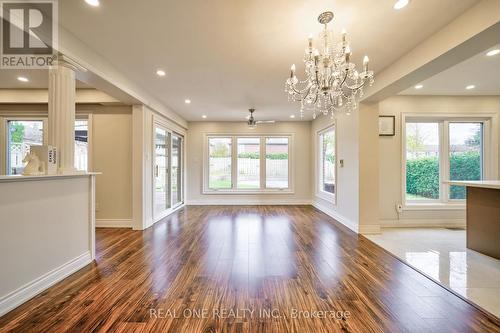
[227, 56]
[480, 71]
[38, 79]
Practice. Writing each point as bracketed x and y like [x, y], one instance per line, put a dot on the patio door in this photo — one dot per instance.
[176, 176]
[161, 171]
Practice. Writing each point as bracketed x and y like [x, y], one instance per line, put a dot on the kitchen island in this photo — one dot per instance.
[483, 216]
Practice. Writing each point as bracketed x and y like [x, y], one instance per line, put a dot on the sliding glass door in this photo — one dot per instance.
[168, 177]
[161, 183]
[176, 170]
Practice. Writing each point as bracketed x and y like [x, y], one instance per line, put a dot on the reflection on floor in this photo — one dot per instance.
[441, 254]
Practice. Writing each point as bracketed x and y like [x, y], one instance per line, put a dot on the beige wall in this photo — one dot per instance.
[111, 136]
[301, 161]
[112, 155]
[390, 160]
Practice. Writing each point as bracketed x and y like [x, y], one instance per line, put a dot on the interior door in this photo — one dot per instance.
[161, 171]
[176, 167]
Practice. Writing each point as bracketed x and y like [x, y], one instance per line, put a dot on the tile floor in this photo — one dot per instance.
[441, 254]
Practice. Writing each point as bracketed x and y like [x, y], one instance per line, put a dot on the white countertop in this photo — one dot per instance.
[495, 184]
[21, 178]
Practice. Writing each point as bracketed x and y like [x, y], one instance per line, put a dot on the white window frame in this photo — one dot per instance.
[489, 153]
[234, 164]
[170, 129]
[331, 197]
[3, 138]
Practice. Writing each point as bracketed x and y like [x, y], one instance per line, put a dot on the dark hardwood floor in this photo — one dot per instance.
[286, 264]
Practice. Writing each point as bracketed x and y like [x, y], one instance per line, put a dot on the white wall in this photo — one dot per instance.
[47, 234]
[357, 181]
[301, 162]
[390, 159]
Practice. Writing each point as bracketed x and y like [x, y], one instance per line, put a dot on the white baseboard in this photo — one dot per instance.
[33, 288]
[113, 223]
[369, 229]
[418, 223]
[246, 202]
[331, 212]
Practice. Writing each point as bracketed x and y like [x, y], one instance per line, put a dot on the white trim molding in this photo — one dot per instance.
[338, 217]
[247, 202]
[113, 223]
[33, 288]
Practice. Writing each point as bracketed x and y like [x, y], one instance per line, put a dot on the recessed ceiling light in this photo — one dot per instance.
[493, 53]
[400, 4]
[160, 72]
[93, 3]
[187, 101]
[469, 87]
[292, 116]
[204, 116]
[419, 86]
[22, 79]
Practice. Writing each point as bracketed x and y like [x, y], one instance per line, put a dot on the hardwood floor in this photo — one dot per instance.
[286, 264]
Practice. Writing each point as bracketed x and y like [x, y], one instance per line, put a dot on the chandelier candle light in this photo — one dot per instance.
[332, 82]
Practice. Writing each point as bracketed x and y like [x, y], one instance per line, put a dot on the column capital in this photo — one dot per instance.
[65, 61]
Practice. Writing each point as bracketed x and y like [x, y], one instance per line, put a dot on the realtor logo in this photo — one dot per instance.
[29, 34]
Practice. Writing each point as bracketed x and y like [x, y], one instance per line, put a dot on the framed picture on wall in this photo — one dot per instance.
[386, 125]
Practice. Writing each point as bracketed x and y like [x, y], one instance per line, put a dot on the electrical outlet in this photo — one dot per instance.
[97, 206]
[399, 208]
[341, 163]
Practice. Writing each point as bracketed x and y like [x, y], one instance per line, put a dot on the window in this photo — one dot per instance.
[422, 161]
[466, 155]
[81, 145]
[21, 134]
[257, 164]
[277, 163]
[219, 163]
[248, 163]
[440, 149]
[327, 161]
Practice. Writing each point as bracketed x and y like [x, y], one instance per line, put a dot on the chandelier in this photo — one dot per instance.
[332, 82]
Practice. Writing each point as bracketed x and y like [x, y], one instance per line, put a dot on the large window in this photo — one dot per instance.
[81, 144]
[277, 163]
[327, 161]
[441, 149]
[465, 154]
[422, 161]
[247, 164]
[219, 150]
[21, 134]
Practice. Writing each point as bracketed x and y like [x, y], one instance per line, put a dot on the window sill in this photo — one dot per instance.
[434, 206]
[268, 191]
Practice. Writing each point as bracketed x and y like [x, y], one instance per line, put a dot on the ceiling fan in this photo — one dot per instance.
[252, 123]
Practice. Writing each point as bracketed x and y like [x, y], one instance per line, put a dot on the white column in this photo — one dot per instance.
[62, 93]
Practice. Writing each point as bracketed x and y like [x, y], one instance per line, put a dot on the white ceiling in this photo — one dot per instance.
[227, 56]
[480, 70]
[38, 79]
